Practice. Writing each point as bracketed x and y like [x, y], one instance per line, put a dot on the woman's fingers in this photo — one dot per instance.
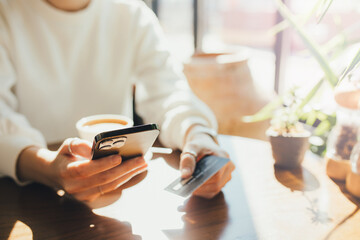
[86, 168]
[209, 190]
[108, 176]
[122, 180]
[193, 152]
[93, 193]
[86, 179]
[214, 185]
[187, 163]
[76, 147]
[226, 170]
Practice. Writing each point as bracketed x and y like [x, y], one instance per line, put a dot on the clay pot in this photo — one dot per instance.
[288, 151]
[353, 177]
[224, 82]
[353, 184]
[344, 135]
[337, 169]
[347, 92]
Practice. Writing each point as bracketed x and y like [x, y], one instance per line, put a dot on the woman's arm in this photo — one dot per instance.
[165, 98]
[74, 172]
[24, 156]
[162, 94]
[16, 133]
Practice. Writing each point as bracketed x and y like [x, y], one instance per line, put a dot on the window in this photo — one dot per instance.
[242, 25]
[176, 18]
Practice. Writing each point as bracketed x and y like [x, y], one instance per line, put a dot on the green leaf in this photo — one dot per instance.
[321, 116]
[311, 118]
[322, 128]
[311, 45]
[281, 26]
[351, 66]
[338, 43]
[310, 95]
[325, 7]
[266, 112]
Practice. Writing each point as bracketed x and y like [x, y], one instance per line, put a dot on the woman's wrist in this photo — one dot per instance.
[34, 164]
[200, 131]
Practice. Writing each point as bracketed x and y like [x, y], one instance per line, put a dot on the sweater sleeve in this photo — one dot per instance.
[15, 131]
[163, 95]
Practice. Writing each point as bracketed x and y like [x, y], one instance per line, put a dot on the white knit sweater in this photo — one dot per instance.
[57, 67]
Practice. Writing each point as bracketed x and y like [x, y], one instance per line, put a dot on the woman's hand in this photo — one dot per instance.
[202, 144]
[71, 169]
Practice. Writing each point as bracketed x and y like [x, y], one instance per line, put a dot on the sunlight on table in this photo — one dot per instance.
[20, 231]
[155, 211]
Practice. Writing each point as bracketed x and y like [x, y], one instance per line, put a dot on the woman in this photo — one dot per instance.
[61, 60]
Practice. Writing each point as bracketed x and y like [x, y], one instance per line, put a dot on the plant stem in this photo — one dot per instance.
[313, 47]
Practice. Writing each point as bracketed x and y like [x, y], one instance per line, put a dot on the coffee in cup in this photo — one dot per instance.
[89, 127]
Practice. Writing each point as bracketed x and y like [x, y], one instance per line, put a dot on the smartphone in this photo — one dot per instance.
[128, 142]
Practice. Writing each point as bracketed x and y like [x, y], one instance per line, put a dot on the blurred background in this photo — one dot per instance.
[276, 56]
[239, 23]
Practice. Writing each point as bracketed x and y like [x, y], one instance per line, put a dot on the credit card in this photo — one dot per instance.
[205, 169]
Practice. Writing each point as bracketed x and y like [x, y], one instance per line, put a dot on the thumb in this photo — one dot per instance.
[187, 163]
[76, 147]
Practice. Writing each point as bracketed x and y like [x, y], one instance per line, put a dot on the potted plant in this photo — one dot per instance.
[287, 135]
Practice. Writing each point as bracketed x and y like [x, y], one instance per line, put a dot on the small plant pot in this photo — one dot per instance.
[288, 150]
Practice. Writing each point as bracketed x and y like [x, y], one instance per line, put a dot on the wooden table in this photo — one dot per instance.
[260, 202]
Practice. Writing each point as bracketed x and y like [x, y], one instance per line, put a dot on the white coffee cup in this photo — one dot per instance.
[89, 127]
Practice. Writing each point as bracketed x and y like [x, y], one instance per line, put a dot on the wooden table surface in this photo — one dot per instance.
[260, 202]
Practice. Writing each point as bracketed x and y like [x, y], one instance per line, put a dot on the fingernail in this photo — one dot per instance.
[185, 172]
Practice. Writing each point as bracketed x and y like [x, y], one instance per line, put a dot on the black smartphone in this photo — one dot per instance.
[128, 142]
